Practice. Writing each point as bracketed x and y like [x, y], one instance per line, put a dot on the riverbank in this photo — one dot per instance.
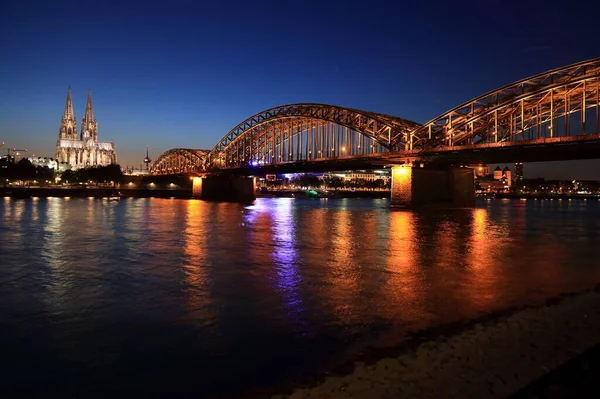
[546, 196]
[492, 357]
[578, 378]
[43, 192]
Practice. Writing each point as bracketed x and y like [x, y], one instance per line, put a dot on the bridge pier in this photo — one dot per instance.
[224, 188]
[415, 186]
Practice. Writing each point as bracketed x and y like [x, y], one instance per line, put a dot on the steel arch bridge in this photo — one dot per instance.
[560, 106]
[179, 160]
[306, 132]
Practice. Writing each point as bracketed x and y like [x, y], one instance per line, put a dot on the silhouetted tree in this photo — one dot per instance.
[24, 170]
[6, 166]
[70, 176]
[307, 180]
[333, 181]
[101, 174]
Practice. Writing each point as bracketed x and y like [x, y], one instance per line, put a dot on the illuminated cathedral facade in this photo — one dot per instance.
[82, 150]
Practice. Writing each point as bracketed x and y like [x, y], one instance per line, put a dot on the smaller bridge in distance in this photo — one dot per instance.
[179, 160]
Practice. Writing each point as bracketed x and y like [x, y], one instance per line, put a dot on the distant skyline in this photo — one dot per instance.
[184, 75]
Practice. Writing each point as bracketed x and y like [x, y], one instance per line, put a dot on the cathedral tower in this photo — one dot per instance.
[86, 151]
[89, 125]
[68, 124]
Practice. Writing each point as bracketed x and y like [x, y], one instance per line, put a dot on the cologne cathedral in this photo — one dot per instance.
[86, 150]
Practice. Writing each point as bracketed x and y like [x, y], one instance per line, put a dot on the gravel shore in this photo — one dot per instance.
[491, 359]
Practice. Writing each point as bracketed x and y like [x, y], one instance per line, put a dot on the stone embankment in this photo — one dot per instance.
[491, 359]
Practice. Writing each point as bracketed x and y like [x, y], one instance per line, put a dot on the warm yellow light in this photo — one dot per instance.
[402, 170]
[343, 148]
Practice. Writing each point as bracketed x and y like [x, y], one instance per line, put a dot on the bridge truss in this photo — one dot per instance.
[179, 160]
[308, 132]
[558, 105]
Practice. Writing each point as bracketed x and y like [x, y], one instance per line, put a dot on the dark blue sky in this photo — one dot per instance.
[182, 73]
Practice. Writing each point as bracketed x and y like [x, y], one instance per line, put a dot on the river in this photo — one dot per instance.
[186, 297]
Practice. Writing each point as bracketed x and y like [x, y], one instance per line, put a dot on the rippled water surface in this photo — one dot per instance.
[147, 296]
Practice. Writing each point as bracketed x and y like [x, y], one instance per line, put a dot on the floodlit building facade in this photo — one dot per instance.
[85, 150]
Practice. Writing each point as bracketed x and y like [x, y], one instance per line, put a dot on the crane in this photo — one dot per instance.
[15, 151]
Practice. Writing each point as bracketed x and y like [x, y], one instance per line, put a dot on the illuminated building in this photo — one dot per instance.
[50, 163]
[135, 171]
[497, 173]
[361, 175]
[507, 176]
[488, 184]
[481, 170]
[85, 150]
[518, 174]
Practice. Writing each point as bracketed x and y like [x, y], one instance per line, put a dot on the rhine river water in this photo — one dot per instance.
[149, 296]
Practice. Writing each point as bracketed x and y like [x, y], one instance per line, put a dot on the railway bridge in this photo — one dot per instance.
[554, 115]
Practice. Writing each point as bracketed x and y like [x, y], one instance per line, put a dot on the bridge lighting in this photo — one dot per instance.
[343, 148]
[399, 171]
[254, 163]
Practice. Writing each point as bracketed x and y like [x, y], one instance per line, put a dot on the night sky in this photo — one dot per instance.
[181, 74]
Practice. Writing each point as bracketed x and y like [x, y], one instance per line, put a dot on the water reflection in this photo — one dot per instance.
[196, 265]
[285, 256]
[59, 280]
[205, 292]
[486, 245]
[403, 288]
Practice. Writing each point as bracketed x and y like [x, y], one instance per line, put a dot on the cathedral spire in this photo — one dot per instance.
[68, 124]
[89, 114]
[89, 126]
[69, 114]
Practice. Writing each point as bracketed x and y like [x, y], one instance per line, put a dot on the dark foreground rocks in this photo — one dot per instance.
[487, 360]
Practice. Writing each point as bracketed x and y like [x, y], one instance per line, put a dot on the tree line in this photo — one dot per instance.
[24, 170]
[27, 171]
[96, 174]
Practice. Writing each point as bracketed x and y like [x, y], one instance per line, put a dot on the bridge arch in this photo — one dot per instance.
[562, 104]
[307, 132]
[179, 160]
